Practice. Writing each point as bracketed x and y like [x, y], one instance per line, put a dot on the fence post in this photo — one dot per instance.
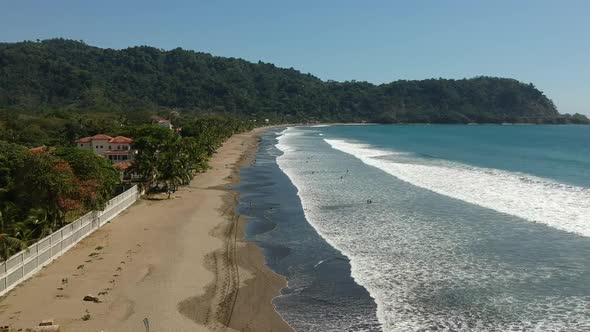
[61, 240]
[22, 264]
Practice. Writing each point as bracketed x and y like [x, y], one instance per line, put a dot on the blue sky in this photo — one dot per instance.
[543, 42]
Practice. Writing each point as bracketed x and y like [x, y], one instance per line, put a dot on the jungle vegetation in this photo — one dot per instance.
[66, 75]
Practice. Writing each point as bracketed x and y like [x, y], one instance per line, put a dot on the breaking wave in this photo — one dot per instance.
[561, 206]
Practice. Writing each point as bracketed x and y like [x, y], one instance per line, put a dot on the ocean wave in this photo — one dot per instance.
[535, 199]
[421, 268]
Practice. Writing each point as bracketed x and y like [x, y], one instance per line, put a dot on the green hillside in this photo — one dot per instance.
[63, 74]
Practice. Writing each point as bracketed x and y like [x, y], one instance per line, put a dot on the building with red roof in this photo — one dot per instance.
[165, 123]
[116, 149]
[122, 165]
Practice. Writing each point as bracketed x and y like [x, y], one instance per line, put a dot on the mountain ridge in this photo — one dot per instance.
[68, 74]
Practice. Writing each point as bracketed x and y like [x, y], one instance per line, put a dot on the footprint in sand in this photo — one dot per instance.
[122, 308]
[145, 272]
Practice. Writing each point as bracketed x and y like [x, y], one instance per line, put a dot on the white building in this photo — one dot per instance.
[165, 123]
[116, 149]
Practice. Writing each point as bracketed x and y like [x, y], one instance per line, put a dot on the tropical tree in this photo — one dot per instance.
[47, 182]
[9, 245]
[34, 225]
[96, 176]
[154, 145]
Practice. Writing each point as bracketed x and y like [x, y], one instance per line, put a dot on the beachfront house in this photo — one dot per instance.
[115, 149]
[165, 123]
[119, 150]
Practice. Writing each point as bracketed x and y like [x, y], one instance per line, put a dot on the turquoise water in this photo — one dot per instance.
[557, 152]
[449, 228]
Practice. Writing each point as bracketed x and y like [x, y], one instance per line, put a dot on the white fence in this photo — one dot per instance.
[26, 263]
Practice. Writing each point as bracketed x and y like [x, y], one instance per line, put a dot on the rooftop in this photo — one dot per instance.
[103, 137]
[121, 139]
[123, 165]
[98, 137]
[39, 149]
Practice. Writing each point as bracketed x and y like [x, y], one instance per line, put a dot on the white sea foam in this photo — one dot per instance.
[412, 263]
[532, 198]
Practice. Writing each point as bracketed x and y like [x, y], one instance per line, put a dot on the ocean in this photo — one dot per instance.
[425, 227]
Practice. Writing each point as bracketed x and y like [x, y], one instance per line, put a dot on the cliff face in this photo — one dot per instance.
[62, 73]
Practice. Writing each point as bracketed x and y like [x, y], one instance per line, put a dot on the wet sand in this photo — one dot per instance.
[181, 263]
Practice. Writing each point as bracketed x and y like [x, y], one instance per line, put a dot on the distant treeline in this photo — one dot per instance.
[69, 75]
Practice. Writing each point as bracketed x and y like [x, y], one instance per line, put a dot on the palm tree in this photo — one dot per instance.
[35, 226]
[172, 167]
[8, 244]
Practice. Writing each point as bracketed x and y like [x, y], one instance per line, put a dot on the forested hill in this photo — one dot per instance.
[66, 74]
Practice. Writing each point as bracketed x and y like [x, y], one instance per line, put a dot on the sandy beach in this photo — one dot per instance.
[182, 264]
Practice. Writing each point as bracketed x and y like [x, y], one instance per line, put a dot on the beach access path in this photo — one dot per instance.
[182, 264]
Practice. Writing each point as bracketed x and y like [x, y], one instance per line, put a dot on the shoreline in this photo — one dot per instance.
[322, 292]
[250, 308]
[183, 264]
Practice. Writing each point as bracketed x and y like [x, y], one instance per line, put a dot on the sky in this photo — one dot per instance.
[546, 43]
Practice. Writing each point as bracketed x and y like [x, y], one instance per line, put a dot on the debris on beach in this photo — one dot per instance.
[44, 326]
[90, 298]
[86, 315]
